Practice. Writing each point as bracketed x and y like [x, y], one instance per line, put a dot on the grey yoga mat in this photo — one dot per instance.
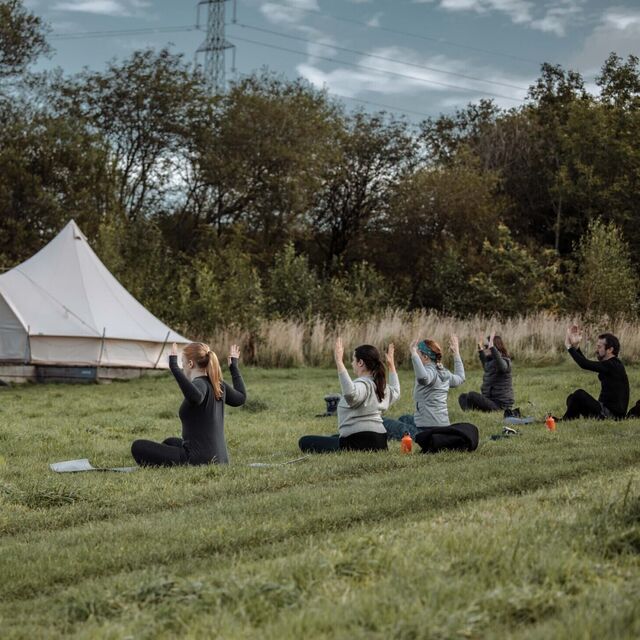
[73, 466]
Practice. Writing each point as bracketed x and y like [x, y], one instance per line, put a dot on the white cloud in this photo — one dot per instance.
[518, 10]
[558, 18]
[618, 30]
[551, 17]
[322, 46]
[103, 7]
[374, 21]
[415, 80]
[621, 19]
[288, 11]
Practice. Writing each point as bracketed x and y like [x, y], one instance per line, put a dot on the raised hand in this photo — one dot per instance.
[234, 352]
[492, 335]
[338, 351]
[390, 355]
[573, 337]
[480, 341]
[413, 347]
[454, 345]
[174, 349]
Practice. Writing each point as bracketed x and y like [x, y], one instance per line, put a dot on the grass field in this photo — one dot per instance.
[537, 536]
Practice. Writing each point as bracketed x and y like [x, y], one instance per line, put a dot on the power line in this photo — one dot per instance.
[122, 32]
[382, 71]
[379, 104]
[410, 34]
[378, 57]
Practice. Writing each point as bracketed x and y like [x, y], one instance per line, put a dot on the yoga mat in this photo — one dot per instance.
[75, 466]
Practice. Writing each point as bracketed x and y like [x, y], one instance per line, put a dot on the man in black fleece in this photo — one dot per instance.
[614, 392]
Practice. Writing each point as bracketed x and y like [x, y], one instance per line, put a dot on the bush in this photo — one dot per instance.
[606, 282]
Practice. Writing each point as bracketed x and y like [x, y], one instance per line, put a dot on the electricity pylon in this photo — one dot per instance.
[215, 45]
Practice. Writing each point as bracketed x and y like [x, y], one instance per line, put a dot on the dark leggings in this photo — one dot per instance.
[581, 404]
[168, 453]
[474, 400]
[363, 441]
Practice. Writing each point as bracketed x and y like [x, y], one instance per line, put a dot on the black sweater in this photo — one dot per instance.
[497, 384]
[614, 393]
[202, 415]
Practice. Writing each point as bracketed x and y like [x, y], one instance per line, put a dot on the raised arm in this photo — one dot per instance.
[502, 365]
[393, 382]
[572, 341]
[422, 375]
[354, 393]
[457, 377]
[189, 390]
[584, 363]
[236, 396]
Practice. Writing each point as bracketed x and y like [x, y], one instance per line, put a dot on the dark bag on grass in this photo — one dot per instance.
[462, 436]
[634, 412]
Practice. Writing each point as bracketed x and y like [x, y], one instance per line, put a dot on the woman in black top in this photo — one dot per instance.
[497, 385]
[201, 411]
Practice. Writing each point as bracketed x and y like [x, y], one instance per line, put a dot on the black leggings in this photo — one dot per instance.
[168, 453]
[474, 400]
[581, 404]
[363, 441]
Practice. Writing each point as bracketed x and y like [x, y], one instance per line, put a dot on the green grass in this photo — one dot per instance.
[533, 537]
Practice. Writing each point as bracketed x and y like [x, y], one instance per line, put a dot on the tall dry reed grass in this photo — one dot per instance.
[534, 339]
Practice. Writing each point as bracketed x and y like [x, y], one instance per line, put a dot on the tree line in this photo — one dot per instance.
[273, 201]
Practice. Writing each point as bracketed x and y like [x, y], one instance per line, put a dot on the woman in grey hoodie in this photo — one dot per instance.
[431, 388]
[363, 399]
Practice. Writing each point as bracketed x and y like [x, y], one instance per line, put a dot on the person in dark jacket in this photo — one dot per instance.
[201, 412]
[497, 385]
[614, 390]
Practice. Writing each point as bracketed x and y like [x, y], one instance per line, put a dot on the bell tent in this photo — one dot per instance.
[63, 308]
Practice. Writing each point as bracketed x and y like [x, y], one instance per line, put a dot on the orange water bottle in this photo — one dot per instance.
[551, 423]
[406, 443]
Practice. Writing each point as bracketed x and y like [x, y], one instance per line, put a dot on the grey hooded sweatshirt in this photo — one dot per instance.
[431, 390]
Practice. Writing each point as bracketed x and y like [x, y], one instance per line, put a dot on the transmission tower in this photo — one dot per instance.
[215, 45]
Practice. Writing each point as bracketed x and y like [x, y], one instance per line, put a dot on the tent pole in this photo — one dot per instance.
[27, 347]
[104, 333]
[164, 344]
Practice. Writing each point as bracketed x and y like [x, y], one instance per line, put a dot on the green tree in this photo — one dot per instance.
[51, 170]
[437, 211]
[292, 287]
[261, 156]
[606, 282]
[512, 280]
[375, 152]
[146, 108]
[22, 38]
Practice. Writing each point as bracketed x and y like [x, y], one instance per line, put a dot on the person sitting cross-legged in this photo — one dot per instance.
[614, 391]
[496, 393]
[431, 389]
[363, 399]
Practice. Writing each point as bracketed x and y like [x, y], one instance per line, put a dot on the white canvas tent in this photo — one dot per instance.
[63, 307]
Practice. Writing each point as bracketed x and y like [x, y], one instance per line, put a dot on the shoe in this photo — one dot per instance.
[512, 413]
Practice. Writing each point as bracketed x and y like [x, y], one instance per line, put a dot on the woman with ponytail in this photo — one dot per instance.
[363, 399]
[201, 412]
[431, 388]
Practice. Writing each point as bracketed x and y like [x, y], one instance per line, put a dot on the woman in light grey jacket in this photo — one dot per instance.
[431, 389]
[363, 399]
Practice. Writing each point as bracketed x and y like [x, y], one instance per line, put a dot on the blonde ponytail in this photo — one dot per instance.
[207, 360]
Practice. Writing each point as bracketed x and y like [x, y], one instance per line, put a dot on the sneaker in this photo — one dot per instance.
[512, 413]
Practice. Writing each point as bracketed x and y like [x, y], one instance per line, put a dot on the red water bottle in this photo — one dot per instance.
[406, 443]
[551, 423]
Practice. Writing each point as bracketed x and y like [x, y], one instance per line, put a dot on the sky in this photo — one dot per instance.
[416, 58]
